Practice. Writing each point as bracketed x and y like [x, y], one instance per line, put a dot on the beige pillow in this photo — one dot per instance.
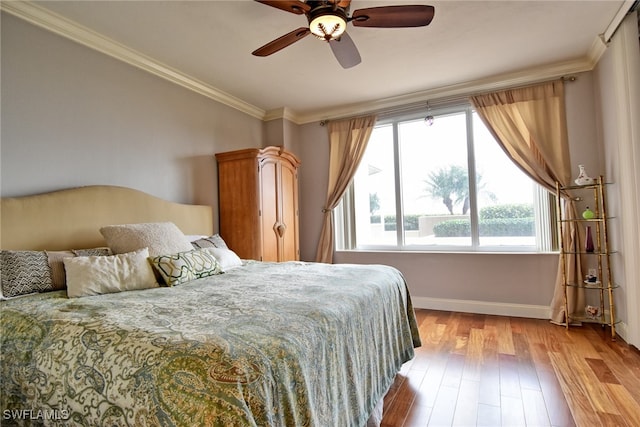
[56, 264]
[95, 275]
[159, 237]
[58, 275]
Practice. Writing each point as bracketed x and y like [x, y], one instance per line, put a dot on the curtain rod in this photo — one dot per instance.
[447, 101]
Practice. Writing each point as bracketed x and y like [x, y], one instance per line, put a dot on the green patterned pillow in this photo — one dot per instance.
[183, 267]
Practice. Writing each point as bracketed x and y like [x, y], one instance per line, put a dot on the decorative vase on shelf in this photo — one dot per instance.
[588, 214]
[583, 178]
[588, 246]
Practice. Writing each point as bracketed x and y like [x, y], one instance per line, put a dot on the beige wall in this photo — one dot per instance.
[283, 133]
[72, 116]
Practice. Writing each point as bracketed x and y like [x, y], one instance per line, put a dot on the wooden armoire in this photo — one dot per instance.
[258, 203]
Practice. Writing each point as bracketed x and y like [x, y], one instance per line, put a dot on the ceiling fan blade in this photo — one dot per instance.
[282, 42]
[393, 16]
[293, 6]
[345, 51]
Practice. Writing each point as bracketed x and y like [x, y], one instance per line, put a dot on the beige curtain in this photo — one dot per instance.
[347, 142]
[530, 125]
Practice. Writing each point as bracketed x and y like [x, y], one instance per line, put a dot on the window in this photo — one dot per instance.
[420, 173]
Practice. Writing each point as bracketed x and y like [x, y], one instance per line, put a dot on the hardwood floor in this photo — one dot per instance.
[481, 370]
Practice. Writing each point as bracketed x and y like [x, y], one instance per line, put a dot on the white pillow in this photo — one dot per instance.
[95, 275]
[226, 258]
[160, 237]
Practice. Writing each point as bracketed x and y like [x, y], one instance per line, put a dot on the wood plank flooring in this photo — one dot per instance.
[481, 370]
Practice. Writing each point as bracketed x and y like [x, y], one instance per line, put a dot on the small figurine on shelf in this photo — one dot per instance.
[591, 311]
[591, 277]
[588, 214]
[583, 178]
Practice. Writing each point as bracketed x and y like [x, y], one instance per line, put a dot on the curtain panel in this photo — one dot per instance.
[529, 124]
[347, 143]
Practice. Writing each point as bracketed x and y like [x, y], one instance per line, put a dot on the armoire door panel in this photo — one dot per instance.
[270, 211]
[239, 204]
[289, 201]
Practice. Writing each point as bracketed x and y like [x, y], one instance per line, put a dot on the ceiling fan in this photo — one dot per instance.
[328, 21]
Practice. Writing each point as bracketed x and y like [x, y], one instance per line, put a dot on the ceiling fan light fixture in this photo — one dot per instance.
[328, 25]
[328, 21]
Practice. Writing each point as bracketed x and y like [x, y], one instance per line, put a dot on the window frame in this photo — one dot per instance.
[544, 203]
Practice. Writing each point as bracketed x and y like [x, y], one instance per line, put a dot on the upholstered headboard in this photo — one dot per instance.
[71, 219]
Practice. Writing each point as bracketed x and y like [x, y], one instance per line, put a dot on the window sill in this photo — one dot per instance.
[446, 251]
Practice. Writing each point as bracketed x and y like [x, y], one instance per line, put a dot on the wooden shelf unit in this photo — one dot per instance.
[600, 257]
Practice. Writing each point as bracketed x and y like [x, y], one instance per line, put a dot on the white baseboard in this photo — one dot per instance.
[495, 308]
[483, 307]
[621, 329]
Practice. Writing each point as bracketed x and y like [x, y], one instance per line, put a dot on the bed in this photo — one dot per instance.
[231, 343]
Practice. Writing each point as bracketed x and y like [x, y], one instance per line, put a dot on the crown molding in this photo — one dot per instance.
[282, 113]
[625, 8]
[71, 30]
[597, 49]
[493, 83]
[600, 42]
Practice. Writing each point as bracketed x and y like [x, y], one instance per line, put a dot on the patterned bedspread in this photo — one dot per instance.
[290, 344]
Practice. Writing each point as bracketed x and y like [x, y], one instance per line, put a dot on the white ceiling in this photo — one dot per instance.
[467, 43]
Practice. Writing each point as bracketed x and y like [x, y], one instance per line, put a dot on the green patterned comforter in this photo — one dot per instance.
[290, 344]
